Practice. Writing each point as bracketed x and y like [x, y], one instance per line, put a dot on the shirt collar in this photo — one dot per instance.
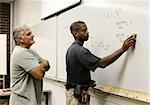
[78, 42]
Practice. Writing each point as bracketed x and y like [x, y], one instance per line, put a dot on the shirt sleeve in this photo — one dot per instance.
[27, 60]
[37, 55]
[88, 60]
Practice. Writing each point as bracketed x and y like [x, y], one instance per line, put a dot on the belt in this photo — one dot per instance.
[70, 87]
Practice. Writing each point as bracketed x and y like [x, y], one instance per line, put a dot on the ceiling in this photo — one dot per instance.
[6, 1]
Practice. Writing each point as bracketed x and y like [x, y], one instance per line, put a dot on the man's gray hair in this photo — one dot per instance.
[18, 32]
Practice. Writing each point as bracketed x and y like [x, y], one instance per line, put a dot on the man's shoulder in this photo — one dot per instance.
[21, 52]
[76, 47]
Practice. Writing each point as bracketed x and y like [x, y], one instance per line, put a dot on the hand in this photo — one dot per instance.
[128, 43]
[93, 83]
[46, 65]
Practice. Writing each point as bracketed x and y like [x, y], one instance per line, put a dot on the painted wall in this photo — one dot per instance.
[27, 12]
[149, 42]
[32, 11]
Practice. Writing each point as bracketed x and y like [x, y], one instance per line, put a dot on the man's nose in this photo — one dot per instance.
[32, 35]
[87, 33]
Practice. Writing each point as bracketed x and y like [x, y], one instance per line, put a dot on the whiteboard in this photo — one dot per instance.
[3, 54]
[64, 40]
[45, 43]
[109, 24]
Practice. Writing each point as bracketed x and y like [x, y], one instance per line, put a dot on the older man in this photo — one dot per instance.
[27, 69]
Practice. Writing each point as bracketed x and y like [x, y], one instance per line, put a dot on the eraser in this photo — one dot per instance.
[134, 36]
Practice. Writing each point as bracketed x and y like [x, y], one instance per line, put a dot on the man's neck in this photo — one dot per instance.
[80, 42]
[24, 46]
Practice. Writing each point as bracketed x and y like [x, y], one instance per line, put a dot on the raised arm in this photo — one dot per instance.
[104, 62]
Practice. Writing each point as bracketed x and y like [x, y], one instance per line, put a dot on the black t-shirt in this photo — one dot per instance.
[79, 62]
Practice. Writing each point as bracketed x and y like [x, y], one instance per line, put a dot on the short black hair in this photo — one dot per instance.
[75, 26]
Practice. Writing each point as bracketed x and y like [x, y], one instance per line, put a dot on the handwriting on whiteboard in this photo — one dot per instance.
[114, 12]
[103, 45]
[122, 24]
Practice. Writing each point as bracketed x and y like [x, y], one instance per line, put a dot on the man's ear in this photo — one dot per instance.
[75, 34]
[21, 39]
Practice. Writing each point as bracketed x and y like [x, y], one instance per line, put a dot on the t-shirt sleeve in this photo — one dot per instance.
[88, 60]
[37, 55]
[27, 60]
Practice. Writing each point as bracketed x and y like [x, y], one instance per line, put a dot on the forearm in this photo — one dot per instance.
[111, 58]
[38, 72]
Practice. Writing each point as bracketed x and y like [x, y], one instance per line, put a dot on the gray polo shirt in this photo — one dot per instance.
[26, 89]
[79, 62]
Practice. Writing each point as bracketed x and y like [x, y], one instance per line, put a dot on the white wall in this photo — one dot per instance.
[27, 12]
[32, 11]
[149, 43]
[3, 52]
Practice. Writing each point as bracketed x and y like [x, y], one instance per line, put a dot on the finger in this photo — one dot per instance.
[129, 38]
[132, 39]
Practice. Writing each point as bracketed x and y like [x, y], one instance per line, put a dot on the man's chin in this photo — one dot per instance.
[32, 43]
[86, 39]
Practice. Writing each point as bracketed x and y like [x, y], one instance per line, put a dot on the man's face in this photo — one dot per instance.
[27, 37]
[83, 33]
